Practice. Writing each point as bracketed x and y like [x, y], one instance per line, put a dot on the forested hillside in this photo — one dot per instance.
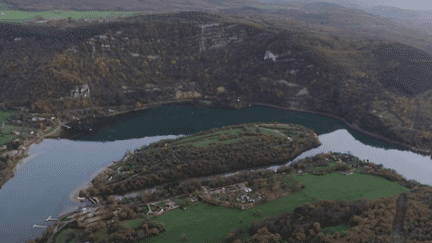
[232, 60]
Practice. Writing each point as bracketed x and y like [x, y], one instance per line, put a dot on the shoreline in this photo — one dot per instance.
[23, 162]
[355, 128]
[73, 195]
[195, 103]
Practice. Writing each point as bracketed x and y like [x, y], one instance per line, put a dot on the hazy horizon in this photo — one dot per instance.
[402, 4]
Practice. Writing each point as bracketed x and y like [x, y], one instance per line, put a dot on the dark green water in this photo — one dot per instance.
[186, 120]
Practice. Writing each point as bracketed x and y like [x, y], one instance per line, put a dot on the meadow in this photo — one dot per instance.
[20, 16]
[5, 135]
[202, 222]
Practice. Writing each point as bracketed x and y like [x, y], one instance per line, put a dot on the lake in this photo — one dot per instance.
[43, 186]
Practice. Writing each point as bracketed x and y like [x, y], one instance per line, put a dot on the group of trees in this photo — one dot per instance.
[363, 220]
[115, 230]
[308, 221]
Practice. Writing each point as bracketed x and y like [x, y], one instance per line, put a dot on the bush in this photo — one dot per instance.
[125, 235]
[342, 167]
[156, 224]
[182, 202]
[81, 193]
[258, 213]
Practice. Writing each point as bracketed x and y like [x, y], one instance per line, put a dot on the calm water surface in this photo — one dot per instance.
[42, 187]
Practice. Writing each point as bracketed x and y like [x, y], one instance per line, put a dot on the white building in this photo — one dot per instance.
[269, 54]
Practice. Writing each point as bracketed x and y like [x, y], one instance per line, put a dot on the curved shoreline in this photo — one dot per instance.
[73, 195]
[353, 127]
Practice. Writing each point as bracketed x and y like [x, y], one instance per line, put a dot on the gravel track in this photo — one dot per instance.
[397, 233]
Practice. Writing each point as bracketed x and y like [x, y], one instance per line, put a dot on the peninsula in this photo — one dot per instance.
[330, 197]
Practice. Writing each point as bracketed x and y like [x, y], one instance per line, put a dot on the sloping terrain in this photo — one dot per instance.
[228, 59]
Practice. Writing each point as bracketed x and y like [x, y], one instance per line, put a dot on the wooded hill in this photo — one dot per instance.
[406, 217]
[212, 152]
[377, 85]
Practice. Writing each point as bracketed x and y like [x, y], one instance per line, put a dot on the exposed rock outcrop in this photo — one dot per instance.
[187, 95]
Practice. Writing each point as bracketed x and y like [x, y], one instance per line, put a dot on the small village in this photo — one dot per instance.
[237, 195]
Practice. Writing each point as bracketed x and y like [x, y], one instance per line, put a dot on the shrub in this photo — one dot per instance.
[181, 202]
[125, 235]
[156, 224]
[342, 167]
[64, 219]
[258, 213]
[81, 193]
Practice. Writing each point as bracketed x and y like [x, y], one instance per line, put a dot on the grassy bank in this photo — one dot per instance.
[205, 222]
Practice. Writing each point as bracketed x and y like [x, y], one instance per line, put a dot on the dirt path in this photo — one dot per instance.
[275, 131]
[397, 233]
[56, 130]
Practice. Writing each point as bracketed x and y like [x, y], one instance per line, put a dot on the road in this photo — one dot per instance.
[397, 233]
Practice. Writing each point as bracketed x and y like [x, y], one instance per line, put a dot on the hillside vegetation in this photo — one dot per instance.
[206, 153]
[377, 85]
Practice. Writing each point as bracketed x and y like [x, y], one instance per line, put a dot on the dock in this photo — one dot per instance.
[68, 127]
[39, 226]
[50, 218]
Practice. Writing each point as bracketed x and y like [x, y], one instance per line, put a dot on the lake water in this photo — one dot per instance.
[42, 187]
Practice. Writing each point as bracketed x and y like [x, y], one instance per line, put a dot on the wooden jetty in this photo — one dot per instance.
[50, 218]
[39, 226]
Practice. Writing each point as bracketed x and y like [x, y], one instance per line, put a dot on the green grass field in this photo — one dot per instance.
[205, 139]
[202, 223]
[22, 16]
[330, 165]
[7, 115]
[66, 234]
[6, 136]
[133, 224]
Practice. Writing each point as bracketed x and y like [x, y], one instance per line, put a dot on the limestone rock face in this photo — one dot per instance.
[303, 91]
[179, 95]
[291, 85]
[215, 35]
[80, 91]
[220, 89]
